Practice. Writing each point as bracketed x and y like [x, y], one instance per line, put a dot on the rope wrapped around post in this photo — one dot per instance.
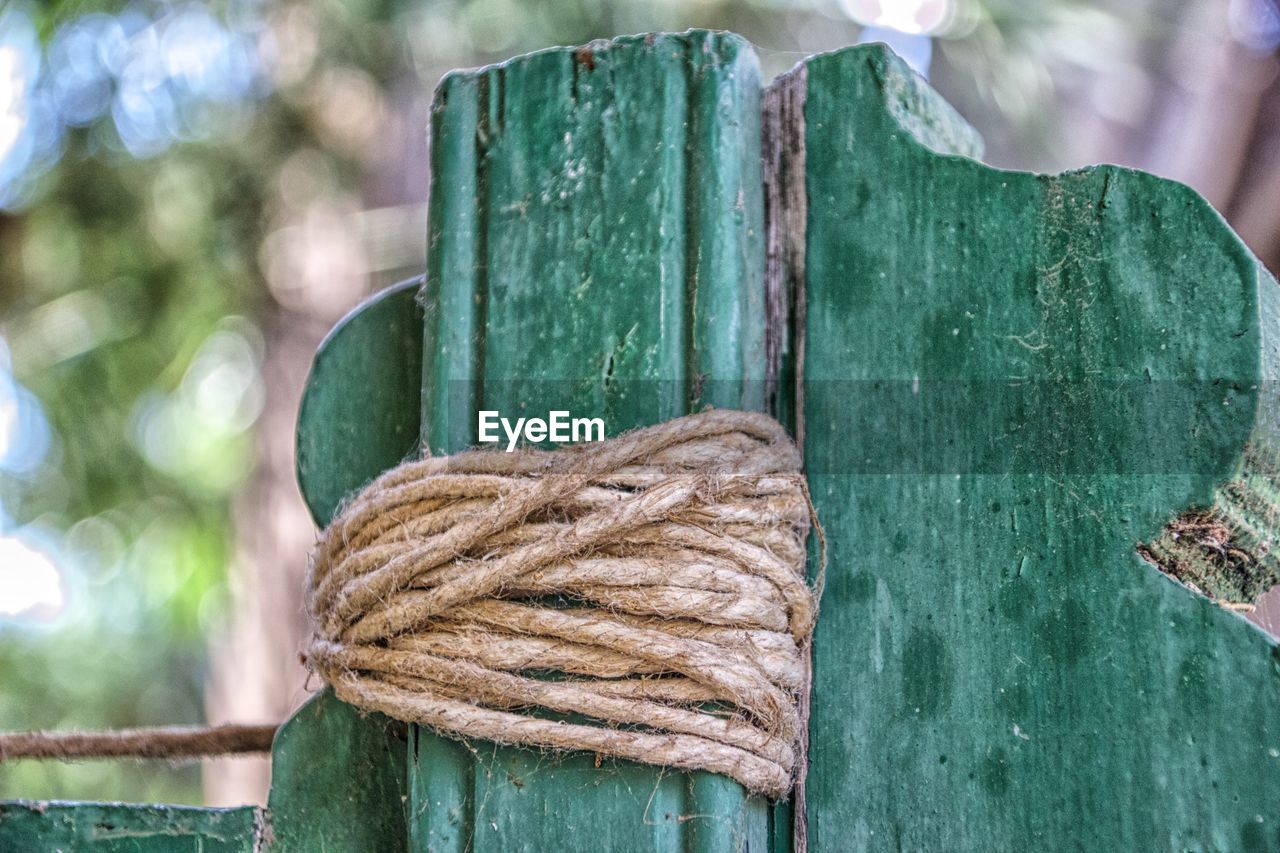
[643, 597]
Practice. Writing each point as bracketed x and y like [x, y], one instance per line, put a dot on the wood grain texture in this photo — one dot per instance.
[48, 827]
[1011, 380]
[595, 246]
[785, 214]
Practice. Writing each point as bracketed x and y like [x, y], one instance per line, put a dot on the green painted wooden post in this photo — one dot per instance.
[595, 246]
[1011, 380]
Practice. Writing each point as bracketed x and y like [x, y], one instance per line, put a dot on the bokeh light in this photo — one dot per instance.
[28, 137]
[914, 17]
[1255, 24]
[24, 432]
[30, 583]
[156, 77]
[197, 431]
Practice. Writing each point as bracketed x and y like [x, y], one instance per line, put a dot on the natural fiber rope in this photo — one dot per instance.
[172, 743]
[642, 597]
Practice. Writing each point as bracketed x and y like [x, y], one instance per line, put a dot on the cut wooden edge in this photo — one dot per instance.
[915, 106]
[782, 150]
[586, 54]
[786, 209]
[1226, 551]
[355, 422]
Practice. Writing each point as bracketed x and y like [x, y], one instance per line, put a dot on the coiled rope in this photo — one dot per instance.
[642, 598]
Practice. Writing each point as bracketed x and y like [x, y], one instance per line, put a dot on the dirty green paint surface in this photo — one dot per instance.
[337, 781]
[1010, 381]
[595, 246]
[359, 411]
[46, 827]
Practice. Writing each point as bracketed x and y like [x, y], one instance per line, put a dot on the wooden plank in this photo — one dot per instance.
[46, 827]
[1011, 380]
[595, 246]
[338, 775]
[337, 781]
[359, 411]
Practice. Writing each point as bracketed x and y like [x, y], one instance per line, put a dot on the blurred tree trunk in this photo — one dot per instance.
[320, 262]
[256, 674]
[1254, 206]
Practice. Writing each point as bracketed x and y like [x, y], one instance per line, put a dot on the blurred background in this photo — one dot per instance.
[191, 193]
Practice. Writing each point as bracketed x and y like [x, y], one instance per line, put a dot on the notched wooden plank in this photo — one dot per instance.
[1227, 550]
[1012, 379]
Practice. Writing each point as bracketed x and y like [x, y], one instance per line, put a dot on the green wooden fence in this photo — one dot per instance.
[1004, 383]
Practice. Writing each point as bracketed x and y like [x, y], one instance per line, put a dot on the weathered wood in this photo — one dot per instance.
[47, 827]
[595, 246]
[785, 211]
[337, 781]
[1012, 380]
[359, 411]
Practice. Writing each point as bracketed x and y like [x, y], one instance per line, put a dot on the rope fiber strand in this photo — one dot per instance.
[642, 597]
[172, 743]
